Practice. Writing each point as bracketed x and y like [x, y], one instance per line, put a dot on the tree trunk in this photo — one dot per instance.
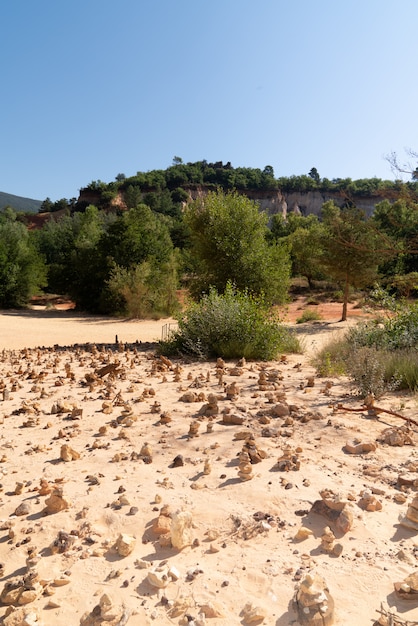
[345, 300]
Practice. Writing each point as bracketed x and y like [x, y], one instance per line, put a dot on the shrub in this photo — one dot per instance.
[231, 325]
[309, 315]
[402, 366]
[146, 290]
[367, 370]
[332, 358]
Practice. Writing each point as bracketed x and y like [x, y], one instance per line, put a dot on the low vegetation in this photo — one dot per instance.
[377, 355]
[309, 315]
[231, 325]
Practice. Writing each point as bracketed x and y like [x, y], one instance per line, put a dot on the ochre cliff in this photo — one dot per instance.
[271, 201]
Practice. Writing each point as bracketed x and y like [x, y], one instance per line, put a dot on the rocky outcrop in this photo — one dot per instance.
[273, 202]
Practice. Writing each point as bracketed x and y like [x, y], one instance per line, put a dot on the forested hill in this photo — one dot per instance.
[165, 190]
[18, 203]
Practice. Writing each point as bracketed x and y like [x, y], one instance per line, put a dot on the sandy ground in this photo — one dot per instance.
[89, 483]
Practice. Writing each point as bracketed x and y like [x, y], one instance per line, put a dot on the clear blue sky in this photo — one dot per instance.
[93, 88]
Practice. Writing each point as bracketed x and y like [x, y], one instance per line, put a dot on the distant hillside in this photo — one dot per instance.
[27, 205]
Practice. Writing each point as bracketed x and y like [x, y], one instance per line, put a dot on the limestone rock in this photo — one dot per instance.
[410, 520]
[252, 613]
[181, 530]
[289, 460]
[337, 511]
[211, 407]
[104, 614]
[232, 391]
[159, 577]
[125, 544]
[302, 534]
[357, 446]
[368, 502]
[209, 610]
[408, 588]
[280, 410]
[232, 418]
[313, 602]
[56, 502]
[23, 509]
[22, 617]
[397, 436]
[161, 525]
[68, 454]
[19, 591]
[327, 540]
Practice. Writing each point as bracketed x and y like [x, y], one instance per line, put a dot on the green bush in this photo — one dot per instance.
[377, 357]
[396, 333]
[309, 315]
[331, 360]
[367, 369]
[143, 291]
[231, 325]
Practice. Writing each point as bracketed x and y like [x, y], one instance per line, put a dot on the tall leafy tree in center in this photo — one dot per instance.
[229, 243]
[352, 249]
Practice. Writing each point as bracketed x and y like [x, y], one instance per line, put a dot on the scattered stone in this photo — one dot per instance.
[302, 533]
[211, 408]
[252, 613]
[408, 588]
[232, 418]
[178, 461]
[56, 502]
[22, 617]
[232, 391]
[397, 436]
[104, 614]
[368, 502]
[245, 469]
[18, 591]
[289, 459]
[159, 576]
[410, 520]
[23, 509]
[125, 544]
[313, 602]
[337, 511]
[68, 454]
[357, 446]
[181, 531]
[327, 540]
[280, 410]
[193, 429]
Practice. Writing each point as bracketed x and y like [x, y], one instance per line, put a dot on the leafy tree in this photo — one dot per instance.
[399, 221]
[229, 243]
[147, 289]
[307, 250]
[313, 173]
[231, 325]
[70, 249]
[22, 268]
[352, 248]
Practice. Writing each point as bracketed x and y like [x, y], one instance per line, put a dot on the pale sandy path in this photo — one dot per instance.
[35, 328]
[42, 328]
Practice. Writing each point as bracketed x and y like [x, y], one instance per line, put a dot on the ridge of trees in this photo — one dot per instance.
[130, 260]
[165, 190]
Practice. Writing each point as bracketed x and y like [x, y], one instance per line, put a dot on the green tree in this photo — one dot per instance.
[313, 173]
[399, 221]
[22, 268]
[352, 248]
[229, 243]
[307, 250]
